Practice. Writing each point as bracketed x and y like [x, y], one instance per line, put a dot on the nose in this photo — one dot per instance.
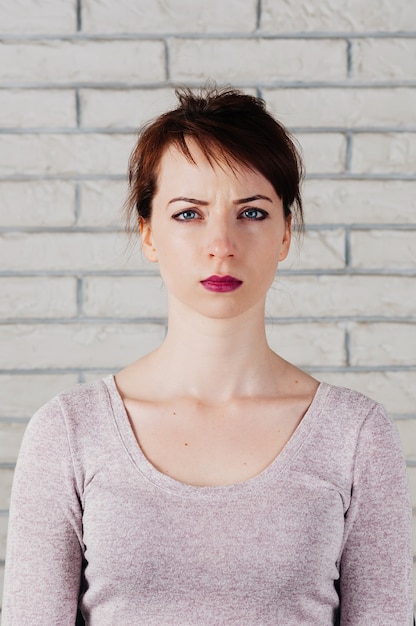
[221, 243]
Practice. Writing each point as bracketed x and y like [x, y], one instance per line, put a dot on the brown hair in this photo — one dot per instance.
[229, 126]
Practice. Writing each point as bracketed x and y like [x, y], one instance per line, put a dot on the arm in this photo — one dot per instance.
[376, 562]
[44, 549]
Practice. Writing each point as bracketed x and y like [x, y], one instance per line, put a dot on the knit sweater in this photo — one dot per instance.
[320, 537]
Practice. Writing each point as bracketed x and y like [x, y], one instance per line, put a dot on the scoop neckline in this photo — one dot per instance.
[167, 483]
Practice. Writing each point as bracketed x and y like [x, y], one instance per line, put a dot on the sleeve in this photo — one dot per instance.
[44, 547]
[376, 561]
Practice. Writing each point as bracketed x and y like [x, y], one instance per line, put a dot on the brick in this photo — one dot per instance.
[38, 296]
[97, 374]
[377, 249]
[22, 394]
[123, 108]
[395, 389]
[407, 431]
[6, 478]
[3, 536]
[323, 153]
[169, 16]
[124, 297]
[257, 60]
[37, 203]
[102, 203]
[360, 201]
[383, 344]
[321, 249]
[69, 252]
[384, 59]
[10, 439]
[76, 345]
[343, 107]
[38, 16]
[36, 109]
[61, 62]
[308, 344]
[351, 16]
[390, 153]
[126, 108]
[65, 155]
[341, 296]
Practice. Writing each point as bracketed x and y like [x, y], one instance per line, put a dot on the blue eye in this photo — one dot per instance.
[185, 215]
[254, 214]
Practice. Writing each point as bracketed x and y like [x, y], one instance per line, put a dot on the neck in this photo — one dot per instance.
[216, 360]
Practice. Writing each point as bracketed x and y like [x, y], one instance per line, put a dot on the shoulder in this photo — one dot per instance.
[349, 401]
[71, 410]
[350, 432]
[358, 420]
[343, 418]
[71, 430]
[351, 407]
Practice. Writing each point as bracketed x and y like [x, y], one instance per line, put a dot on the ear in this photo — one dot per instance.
[287, 236]
[146, 236]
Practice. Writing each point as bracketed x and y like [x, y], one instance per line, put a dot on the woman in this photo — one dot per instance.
[211, 482]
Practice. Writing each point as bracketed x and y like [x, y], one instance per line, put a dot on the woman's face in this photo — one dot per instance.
[217, 233]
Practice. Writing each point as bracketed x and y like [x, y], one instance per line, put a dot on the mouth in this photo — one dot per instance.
[221, 284]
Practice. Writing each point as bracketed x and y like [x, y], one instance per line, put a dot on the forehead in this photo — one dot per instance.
[177, 168]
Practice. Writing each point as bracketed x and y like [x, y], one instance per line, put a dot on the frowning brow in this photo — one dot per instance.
[190, 200]
[204, 203]
[252, 199]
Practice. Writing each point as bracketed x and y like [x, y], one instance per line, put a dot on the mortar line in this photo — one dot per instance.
[79, 15]
[80, 298]
[349, 58]
[77, 207]
[167, 58]
[77, 110]
[347, 348]
[347, 248]
[79, 35]
[259, 9]
[348, 151]
[7, 465]
[267, 84]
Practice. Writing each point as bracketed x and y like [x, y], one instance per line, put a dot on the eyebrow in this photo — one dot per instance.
[252, 199]
[204, 203]
[190, 200]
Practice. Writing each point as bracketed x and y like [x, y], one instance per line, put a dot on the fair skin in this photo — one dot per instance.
[214, 405]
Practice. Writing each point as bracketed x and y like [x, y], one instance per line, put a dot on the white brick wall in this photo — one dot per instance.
[257, 59]
[77, 61]
[337, 16]
[77, 77]
[36, 203]
[169, 16]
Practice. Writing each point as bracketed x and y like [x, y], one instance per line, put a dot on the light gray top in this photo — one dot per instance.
[322, 534]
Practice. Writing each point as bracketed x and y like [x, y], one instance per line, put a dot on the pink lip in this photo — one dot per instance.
[221, 284]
